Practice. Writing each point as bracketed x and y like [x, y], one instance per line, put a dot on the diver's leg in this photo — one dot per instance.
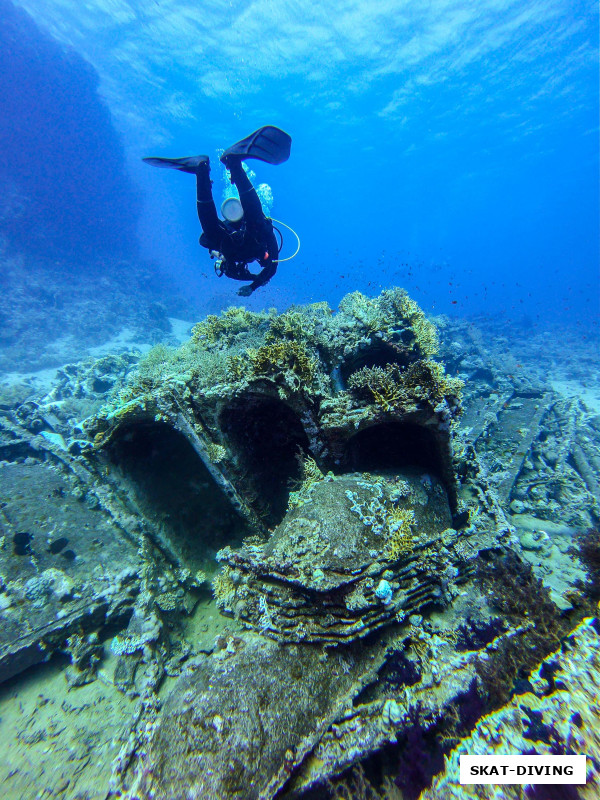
[248, 197]
[207, 212]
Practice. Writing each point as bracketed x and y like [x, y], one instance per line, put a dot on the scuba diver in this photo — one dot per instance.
[245, 234]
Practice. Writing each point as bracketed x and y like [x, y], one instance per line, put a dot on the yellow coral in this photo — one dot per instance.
[291, 325]
[385, 518]
[397, 307]
[390, 387]
[383, 385]
[310, 470]
[222, 329]
[272, 359]
[428, 379]
[238, 367]
[391, 311]
[311, 475]
[100, 438]
[426, 337]
[223, 588]
[207, 330]
[388, 397]
[155, 365]
[399, 540]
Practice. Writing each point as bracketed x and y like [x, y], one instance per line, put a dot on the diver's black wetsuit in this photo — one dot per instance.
[251, 239]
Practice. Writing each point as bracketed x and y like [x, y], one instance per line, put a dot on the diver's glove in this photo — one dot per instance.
[245, 291]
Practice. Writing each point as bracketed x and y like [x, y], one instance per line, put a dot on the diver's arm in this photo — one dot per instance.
[268, 264]
[264, 276]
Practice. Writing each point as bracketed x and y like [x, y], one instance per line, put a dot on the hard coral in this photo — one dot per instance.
[216, 452]
[293, 325]
[283, 356]
[427, 380]
[399, 538]
[394, 317]
[382, 385]
[223, 588]
[397, 304]
[238, 367]
[365, 311]
[391, 387]
[223, 329]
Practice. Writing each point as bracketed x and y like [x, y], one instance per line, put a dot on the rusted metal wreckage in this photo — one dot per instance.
[311, 467]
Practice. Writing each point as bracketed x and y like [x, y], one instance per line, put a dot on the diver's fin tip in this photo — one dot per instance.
[269, 144]
[187, 164]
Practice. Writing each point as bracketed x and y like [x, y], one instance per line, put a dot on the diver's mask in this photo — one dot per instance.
[232, 210]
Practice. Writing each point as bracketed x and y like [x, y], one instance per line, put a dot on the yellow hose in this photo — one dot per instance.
[289, 258]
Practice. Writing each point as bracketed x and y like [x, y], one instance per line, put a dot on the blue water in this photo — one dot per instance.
[447, 147]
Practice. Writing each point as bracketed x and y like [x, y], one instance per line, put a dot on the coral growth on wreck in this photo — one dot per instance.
[271, 360]
[392, 387]
[221, 330]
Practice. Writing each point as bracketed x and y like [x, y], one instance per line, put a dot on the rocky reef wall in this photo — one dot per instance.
[63, 182]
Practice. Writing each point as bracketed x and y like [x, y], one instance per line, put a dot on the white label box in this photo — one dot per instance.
[523, 769]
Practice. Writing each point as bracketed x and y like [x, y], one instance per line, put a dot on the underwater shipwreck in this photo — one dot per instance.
[320, 554]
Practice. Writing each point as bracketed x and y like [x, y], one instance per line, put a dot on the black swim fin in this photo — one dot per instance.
[189, 164]
[268, 144]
